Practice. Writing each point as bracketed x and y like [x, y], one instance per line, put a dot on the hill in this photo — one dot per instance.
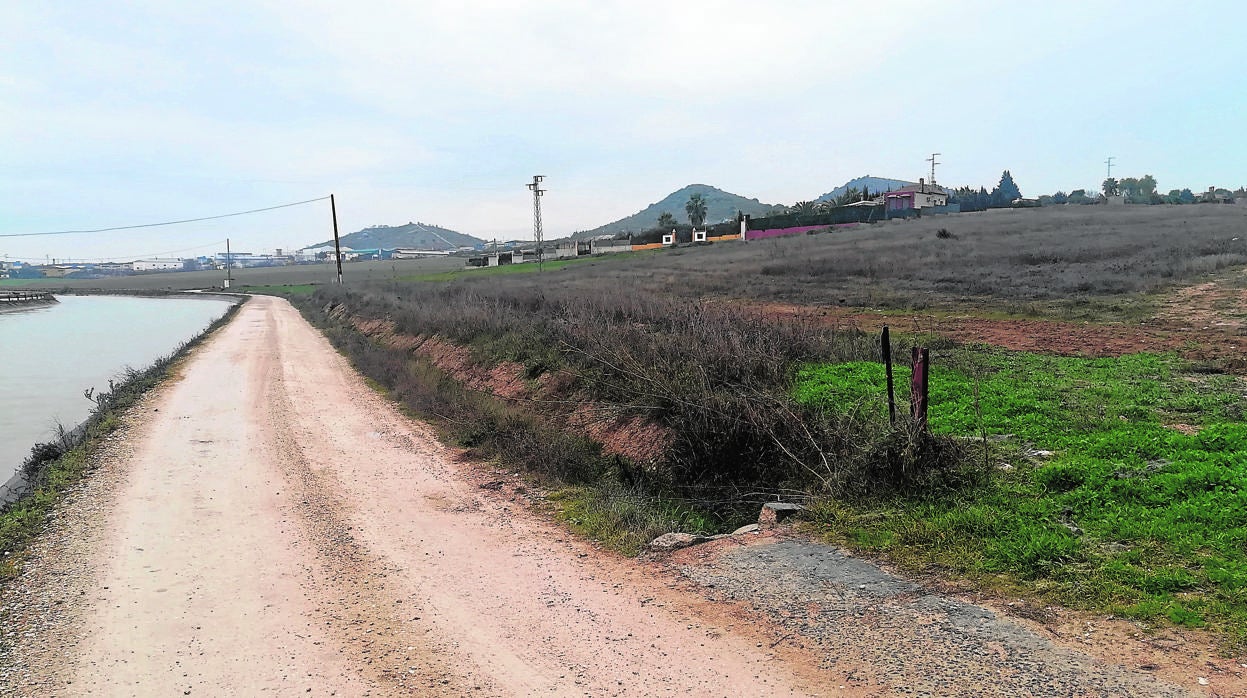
[720, 205]
[418, 236]
[875, 184]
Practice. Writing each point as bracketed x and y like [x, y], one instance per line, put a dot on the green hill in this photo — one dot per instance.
[416, 236]
[720, 205]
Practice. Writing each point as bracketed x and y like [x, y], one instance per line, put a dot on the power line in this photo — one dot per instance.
[156, 225]
[142, 256]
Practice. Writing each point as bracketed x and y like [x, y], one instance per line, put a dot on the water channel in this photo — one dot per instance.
[51, 354]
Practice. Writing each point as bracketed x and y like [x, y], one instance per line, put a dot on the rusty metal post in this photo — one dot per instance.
[918, 387]
[886, 340]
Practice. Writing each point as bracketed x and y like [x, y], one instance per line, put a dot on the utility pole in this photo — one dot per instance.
[337, 247]
[229, 266]
[933, 164]
[535, 188]
[1109, 162]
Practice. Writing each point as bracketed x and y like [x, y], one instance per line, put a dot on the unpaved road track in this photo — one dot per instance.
[269, 525]
[278, 527]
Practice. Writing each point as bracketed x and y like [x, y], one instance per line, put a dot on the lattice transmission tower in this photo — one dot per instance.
[538, 192]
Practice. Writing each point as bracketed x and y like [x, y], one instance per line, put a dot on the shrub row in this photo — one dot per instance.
[718, 378]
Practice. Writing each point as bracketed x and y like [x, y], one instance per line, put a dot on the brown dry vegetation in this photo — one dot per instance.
[703, 385]
[648, 343]
[553, 395]
[1023, 261]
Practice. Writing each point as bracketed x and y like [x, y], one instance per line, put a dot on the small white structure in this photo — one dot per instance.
[158, 265]
[609, 246]
[668, 239]
[699, 236]
[416, 254]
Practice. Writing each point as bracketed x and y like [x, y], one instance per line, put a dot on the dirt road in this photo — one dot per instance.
[268, 524]
[276, 526]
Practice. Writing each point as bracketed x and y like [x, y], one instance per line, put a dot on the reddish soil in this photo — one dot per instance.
[1188, 325]
[553, 394]
[1211, 305]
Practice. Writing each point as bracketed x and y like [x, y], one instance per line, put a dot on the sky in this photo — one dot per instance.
[115, 114]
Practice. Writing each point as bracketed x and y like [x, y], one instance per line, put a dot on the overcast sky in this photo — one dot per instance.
[128, 113]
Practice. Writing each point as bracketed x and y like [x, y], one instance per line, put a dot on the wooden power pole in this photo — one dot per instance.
[337, 246]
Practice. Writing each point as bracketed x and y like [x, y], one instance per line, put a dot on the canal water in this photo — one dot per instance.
[51, 354]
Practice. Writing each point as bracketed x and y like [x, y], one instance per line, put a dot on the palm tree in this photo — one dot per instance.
[696, 210]
[805, 207]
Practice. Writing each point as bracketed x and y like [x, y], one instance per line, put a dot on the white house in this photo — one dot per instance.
[158, 265]
[920, 195]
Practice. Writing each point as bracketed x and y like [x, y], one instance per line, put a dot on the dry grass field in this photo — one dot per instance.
[1007, 261]
[1018, 261]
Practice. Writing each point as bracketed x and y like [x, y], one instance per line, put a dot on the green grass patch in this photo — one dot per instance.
[1125, 514]
[508, 269]
[624, 519]
[277, 289]
[19, 283]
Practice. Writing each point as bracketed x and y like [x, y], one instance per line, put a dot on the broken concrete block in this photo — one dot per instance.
[775, 512]
[675, 541]
[751, 528]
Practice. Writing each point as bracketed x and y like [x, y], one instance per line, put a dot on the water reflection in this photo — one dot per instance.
[52, 353]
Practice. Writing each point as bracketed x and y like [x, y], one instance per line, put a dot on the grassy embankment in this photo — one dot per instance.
[1126, 516]
[1124, 484]
[713, 379]
[55, 467]
[525, 268]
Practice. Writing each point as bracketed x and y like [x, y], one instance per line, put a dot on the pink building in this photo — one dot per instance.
[920, 195]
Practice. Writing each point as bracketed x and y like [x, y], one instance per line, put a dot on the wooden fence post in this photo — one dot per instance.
[918, 387]
[886, 340]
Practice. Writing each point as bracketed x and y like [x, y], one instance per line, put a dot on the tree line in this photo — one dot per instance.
[1143, 190]
[1006, 193]
[1001, 196]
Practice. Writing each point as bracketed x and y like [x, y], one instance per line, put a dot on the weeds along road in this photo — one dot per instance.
[267, 524]
[271, 525]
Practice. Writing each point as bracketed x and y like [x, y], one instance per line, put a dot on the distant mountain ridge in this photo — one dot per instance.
[418, 236]
[875, 184]
[719, 205]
